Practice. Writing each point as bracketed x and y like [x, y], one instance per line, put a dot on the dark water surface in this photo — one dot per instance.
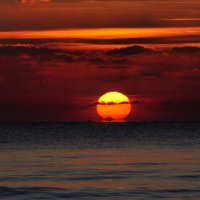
[107, 161]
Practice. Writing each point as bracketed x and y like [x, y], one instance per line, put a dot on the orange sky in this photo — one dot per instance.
[104, 33]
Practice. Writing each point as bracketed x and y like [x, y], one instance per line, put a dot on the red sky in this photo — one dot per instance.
[57, 57]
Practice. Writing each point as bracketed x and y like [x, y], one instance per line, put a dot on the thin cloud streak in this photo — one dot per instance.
[103, 33]
[182, 19]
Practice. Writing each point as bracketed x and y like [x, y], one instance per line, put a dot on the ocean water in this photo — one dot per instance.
[103, 161]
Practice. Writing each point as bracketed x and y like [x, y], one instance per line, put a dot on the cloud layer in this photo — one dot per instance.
[55, 14]
[42, 84]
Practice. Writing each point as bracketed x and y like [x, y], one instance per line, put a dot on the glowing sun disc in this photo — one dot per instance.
[113, 106]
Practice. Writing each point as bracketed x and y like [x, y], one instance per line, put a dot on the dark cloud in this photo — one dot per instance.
[141, 40]
[186, 49]
[108, 103]
[38, 53]
[111, 103]
[136, 102]
[29, 50]
[132, 50]
[130, 41]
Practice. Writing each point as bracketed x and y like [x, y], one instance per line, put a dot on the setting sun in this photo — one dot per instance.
[113, 106]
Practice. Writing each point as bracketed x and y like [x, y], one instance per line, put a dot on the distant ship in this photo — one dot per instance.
[109, 119]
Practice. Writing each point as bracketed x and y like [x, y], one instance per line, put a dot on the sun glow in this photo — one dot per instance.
[113, 106]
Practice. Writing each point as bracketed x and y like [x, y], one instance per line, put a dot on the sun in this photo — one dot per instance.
[113, 106]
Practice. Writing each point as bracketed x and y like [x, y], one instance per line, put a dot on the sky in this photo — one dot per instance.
[57, 57]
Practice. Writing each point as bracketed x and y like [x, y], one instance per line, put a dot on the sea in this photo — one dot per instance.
[100, 161]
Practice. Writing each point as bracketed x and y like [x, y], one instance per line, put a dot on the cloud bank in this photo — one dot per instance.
[54, 84]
